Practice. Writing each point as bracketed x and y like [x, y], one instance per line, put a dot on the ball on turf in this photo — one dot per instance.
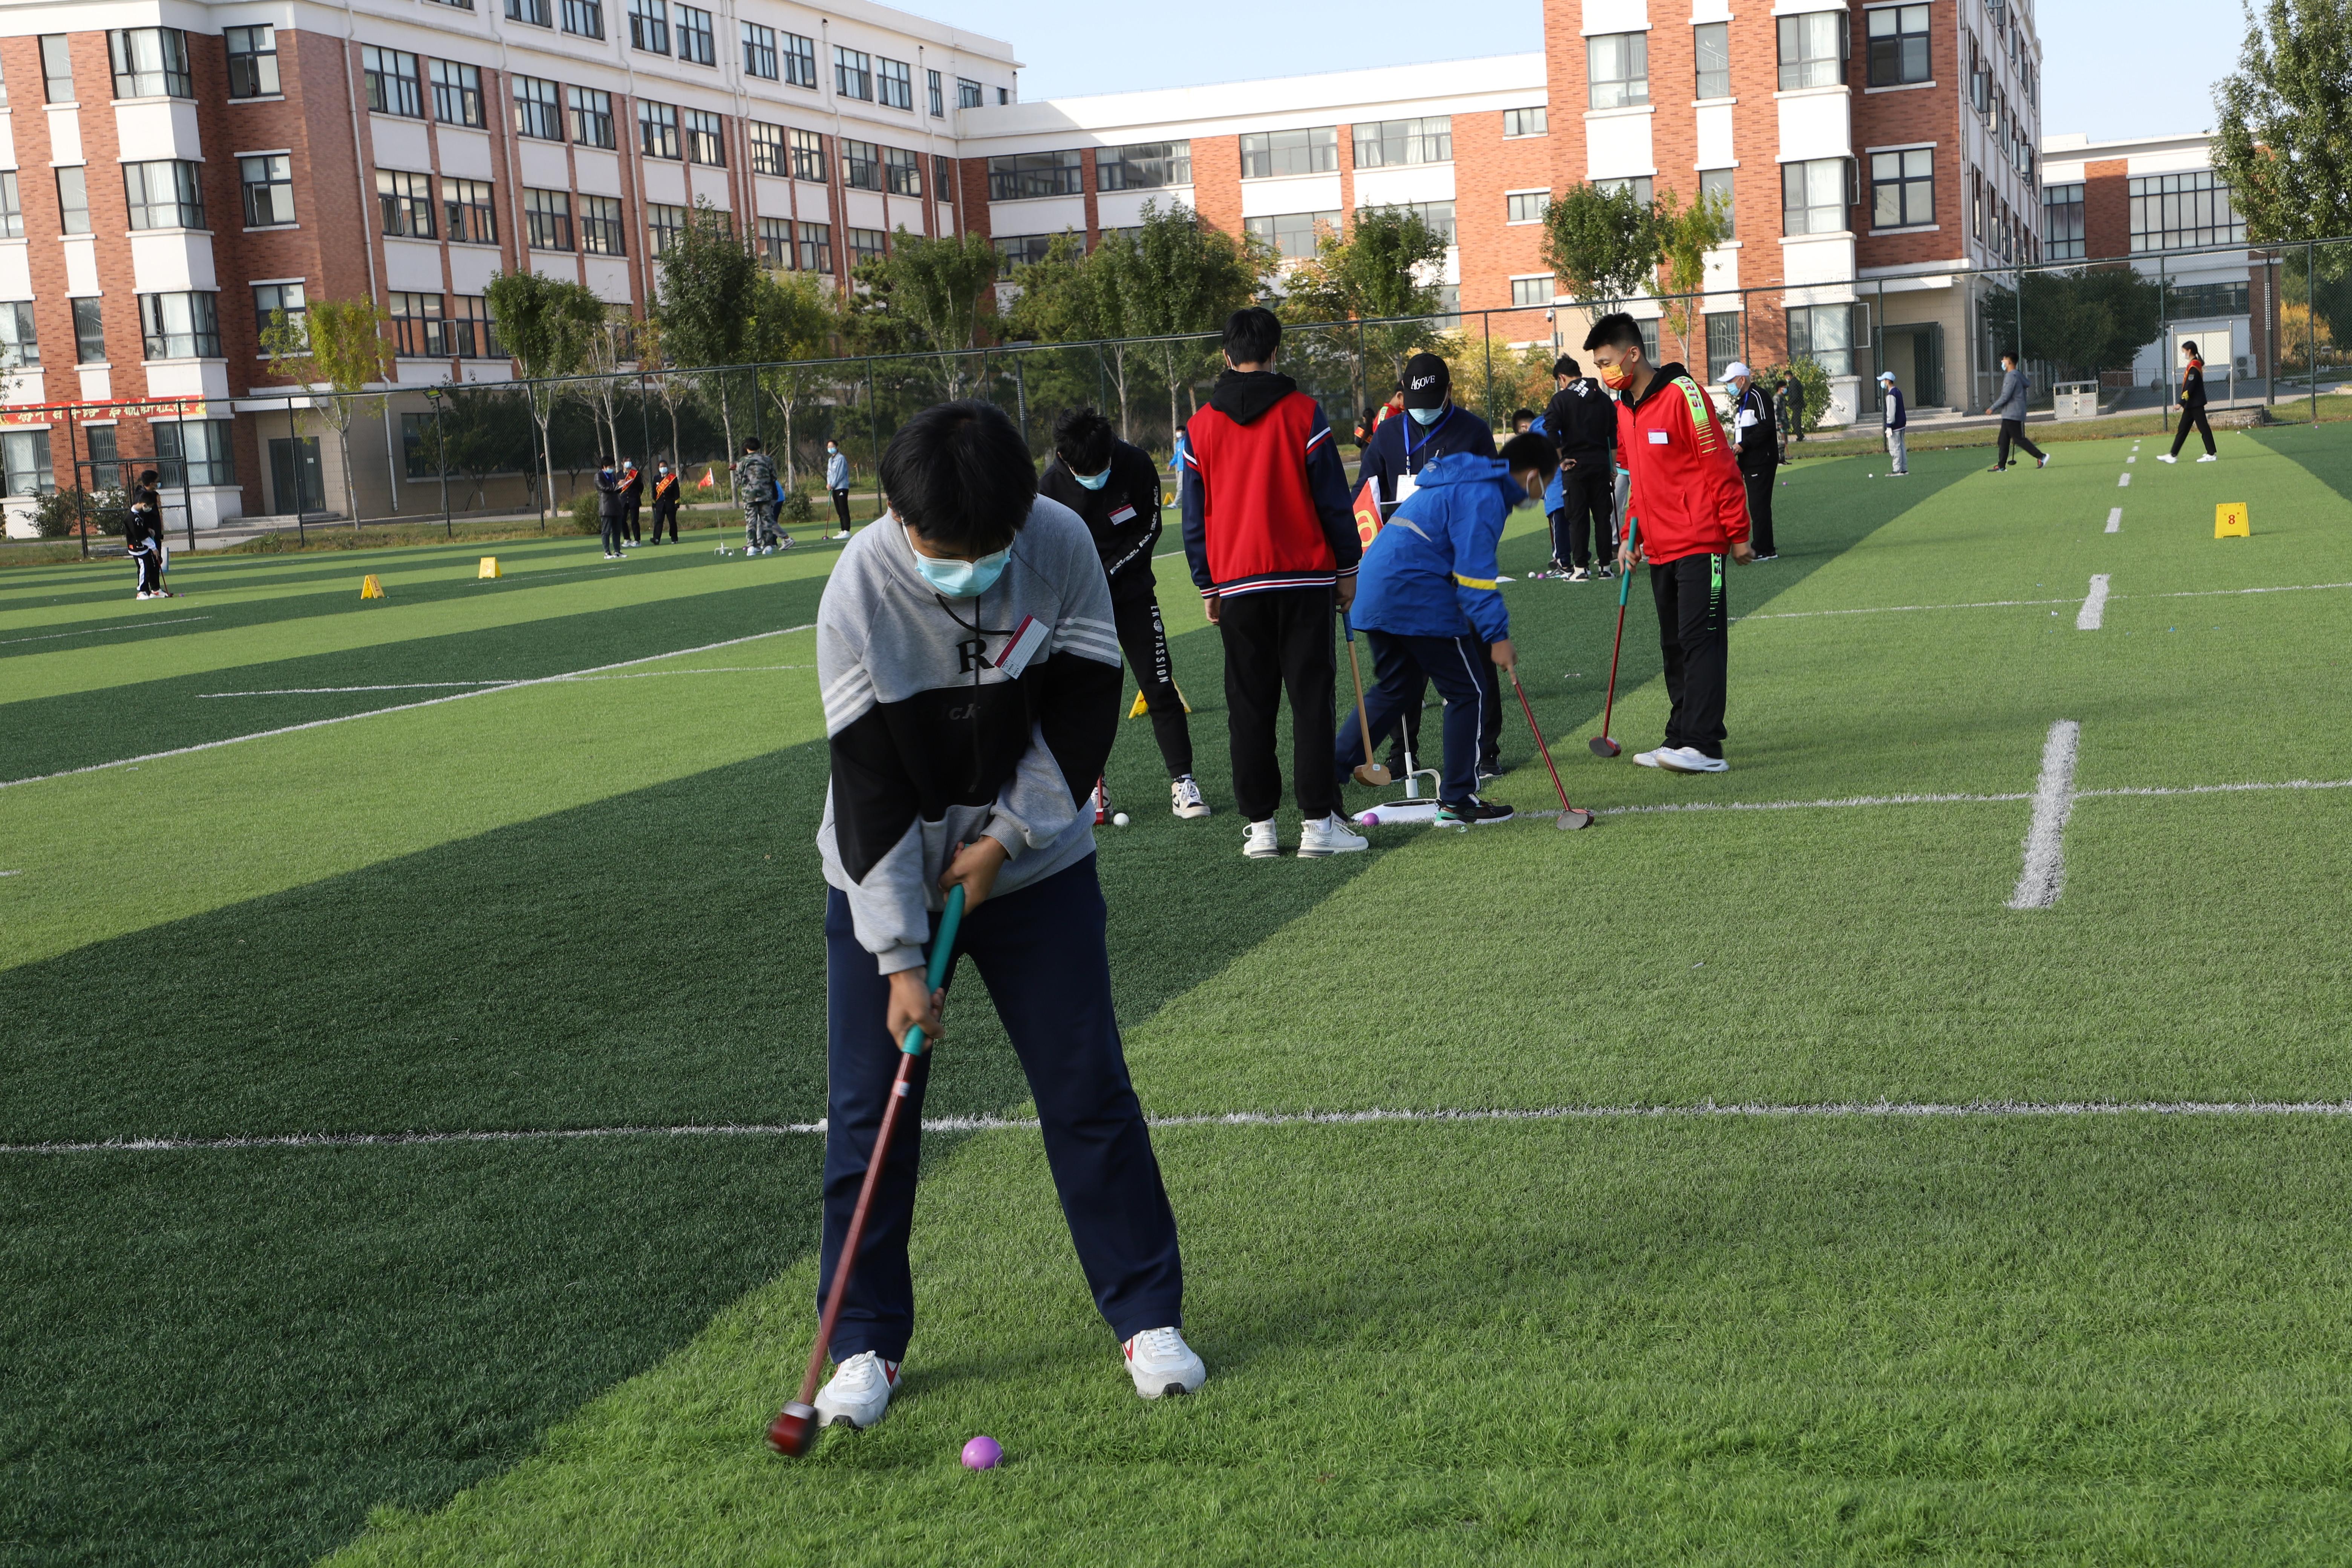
[982, 1453]
[1119, 819]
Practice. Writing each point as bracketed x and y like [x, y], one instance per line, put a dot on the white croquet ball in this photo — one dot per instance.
[1119, 819]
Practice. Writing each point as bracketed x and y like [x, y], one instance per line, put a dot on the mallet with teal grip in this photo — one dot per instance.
[1603, 746]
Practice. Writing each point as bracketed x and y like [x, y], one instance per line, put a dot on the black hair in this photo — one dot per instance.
[1564, 366]
[959, 475]
[750, 443]
[1252, 334]
[1615, 330]
[2010, 355]
[1082, 438]
[1526, 413]
[2189, 348]
[149, 476]
[1530, 451]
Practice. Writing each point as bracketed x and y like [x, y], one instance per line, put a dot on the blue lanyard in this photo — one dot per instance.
[1434, 429]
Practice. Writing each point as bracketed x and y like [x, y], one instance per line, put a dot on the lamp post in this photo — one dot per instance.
[441, 461]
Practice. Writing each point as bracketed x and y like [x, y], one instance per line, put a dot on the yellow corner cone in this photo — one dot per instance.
[2230, 520]
[1141, 707]
[370, 588]
[489, 567]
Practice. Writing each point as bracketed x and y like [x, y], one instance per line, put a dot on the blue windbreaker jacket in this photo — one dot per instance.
[1431, 572]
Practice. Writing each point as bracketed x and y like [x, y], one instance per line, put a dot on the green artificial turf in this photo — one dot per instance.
[594, 904]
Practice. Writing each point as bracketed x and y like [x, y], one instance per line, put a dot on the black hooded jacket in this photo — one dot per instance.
[1123, 516]
[1582, 418]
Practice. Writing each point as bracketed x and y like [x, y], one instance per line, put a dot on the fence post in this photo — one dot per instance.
[441, 461]
[2311, 325]
[187, 501]
[2270, 330]
[872, 424]
[1486, 335]
[294, 463]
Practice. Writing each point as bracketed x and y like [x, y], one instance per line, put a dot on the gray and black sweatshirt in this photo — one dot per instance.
[934, 744]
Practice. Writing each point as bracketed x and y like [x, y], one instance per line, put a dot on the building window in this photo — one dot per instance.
[767, 148]
[194, 452]
[853, 74]
[1292, 234]
[1723, 336]
[1898, 46]
[407, 203]
[538, 109]
[894, 85]
[943, 182]
[1718, 183]
[535, 11]
[56, 69]
[1525, 206]
[73, 200]
[775, 241]
[1392, 142]
[938, 96]
[967, 93]
[759, 50]
[665, 222]
[656, 129]
[816, 248]
[1020, 175]
[473, 334]
[1268, 153]
[149, 62]
[268, 183]
[457, 93]
[1143, 166]
[706, 138]
[1712, 41]
[1641, 186]
[2196, 300]
[1812, 49]
[697, 37]
[547, 219]
[90, 331]
[1616, 70]
[24, 462]
[18, 343]
[1525, 123]
[808, 156]
[472, 212]
[601, 229]
[252, 62]
[1903, 188]
[800, 61]
[1438, 216]
[2168, 211]
[902, 172]
[416, 326]
[1016, 251]
[1975, 205]
[1813, 196]
[180, 326]
[649, 25]
[1826, 334]
[867, 244]
[584, 18]
[2061, 222]
[393, 86]
[12, 206]
[591, 110]
[164, 194]
[861, 165]
[269, 298]
[1531, 290]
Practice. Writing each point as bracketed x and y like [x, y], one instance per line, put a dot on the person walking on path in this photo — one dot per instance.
[665, 502]
[836, 481]
[2009, 409]
[1114, 490]
[1893, 415]
[756, 488]
[612, 508]
[1688, 499]
[1758, 447]
[1270, 537]
[1789, 411]
[633, 497]
[1582, 423]
[2192, 410]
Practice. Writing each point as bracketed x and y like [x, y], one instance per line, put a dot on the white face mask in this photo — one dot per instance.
[1092, 481]
[1426, 417]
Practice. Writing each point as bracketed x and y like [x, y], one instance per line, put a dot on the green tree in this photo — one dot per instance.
[1379, 268]
[793, 319]
[338, 350]
[935, 286]
[483, 430]
[1186, 279]
[1601, 244]
[2284, 145]
[1073, 295]
[550, 327]
[1685, 234]
[708, 273]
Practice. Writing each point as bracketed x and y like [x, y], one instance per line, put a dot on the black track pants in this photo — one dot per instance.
[1587, 495]
[1760, 510]
[1144, 641]
[2192, 416]
[1693, 622]
[2013, 430]
[1280, 641]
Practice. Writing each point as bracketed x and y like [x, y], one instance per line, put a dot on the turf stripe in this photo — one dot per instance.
[94, 631]
[2095, 604]
[2044, 875]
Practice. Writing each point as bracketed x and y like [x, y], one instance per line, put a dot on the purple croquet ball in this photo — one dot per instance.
[982, 1454]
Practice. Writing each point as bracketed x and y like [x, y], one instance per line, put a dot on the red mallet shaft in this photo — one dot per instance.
[1571, 817]
[1601, 744]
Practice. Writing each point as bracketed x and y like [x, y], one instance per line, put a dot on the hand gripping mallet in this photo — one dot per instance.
[1571, 817]
[1368, 772]
[1603, 746]
[793, 1432]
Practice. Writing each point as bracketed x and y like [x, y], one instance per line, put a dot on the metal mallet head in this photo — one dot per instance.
[1569, 821]
[793, 1431]
[1603, 746]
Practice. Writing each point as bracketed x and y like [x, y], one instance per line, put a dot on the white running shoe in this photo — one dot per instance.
[1647, 759]
[1329, 836]
[2166, 457]
[1184, 798]
[1259, 843]
[2210, 458]
[1162, 1363]
[858, 1393]
[1689, 760]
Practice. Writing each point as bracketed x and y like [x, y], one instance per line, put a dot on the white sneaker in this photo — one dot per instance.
[1647, 759]
[2166, 457]
[2210, 458]
[1162, 1363]
[1329, 836]
[1259, 843]
[858, 1393]
[1689, 760]
[1184, 798]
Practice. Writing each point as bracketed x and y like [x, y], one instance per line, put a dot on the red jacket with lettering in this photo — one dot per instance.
[1686, 495]
[1265, 497]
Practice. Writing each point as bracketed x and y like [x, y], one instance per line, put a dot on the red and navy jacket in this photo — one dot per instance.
[1264, 495]
[1686, 497]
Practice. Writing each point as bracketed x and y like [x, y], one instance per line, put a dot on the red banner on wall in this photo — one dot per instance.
[101, 408]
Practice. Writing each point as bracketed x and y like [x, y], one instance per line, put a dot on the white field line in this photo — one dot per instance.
[2044, 872]
[2126, 790]
[2132, 459]
[2115, 520]
[116, 626]
[1899, 609]
[510, 680]
[402, 706]
[2213, 592]
[2095, 605]
[2124, 483]
[1841, 801]
[1861, 1110]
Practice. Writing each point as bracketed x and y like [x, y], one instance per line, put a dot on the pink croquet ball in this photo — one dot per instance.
[982, 1454]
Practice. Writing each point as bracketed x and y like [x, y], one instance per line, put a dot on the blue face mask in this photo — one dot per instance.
[963, 579]
[1426, 417]
[1092, 481]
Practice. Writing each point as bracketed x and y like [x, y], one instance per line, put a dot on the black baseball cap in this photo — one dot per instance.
[1427, 382]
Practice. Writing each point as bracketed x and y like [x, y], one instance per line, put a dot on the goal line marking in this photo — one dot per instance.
[509, 681]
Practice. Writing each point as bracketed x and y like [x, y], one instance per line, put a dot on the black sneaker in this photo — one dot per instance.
[1474, 811]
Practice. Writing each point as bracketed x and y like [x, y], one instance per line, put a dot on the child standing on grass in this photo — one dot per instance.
[970, 672]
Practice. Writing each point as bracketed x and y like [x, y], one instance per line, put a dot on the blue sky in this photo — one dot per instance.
[2151, 78]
